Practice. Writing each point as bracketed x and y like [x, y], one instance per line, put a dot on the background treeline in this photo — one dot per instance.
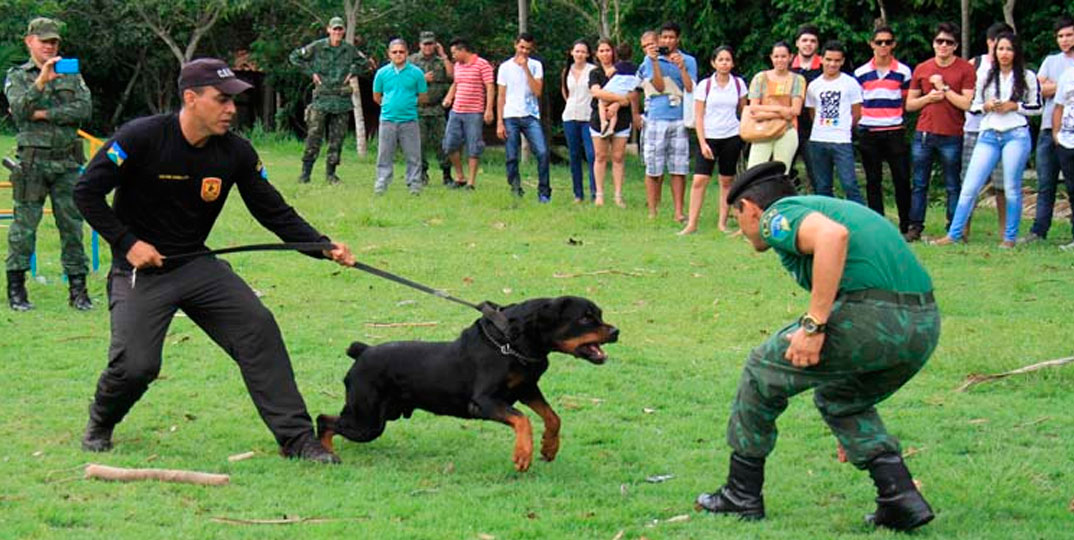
[131, 50]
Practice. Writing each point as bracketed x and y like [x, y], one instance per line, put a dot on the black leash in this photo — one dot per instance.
[487, 309]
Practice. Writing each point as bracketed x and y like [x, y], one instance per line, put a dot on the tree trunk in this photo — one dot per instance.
[523, 16]
[127, 91]
[965, 7]
[359, 118]
[1008, 14]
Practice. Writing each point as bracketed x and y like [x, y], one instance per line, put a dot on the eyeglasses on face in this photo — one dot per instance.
[883, 42]
[945, 41]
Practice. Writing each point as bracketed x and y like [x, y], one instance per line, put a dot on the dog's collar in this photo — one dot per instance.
[505, 348]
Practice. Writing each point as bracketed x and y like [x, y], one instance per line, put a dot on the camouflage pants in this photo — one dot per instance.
[55, 180]
[872, 348]
[432, 136]
[317, 123]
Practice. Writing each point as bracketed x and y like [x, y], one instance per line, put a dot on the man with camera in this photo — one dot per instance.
[48, 100]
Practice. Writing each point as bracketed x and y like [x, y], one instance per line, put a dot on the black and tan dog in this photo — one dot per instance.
[481, 374]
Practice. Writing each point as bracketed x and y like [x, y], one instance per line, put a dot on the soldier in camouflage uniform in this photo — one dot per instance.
[47, 108]
[438, 69]
[331, 63]
[871, 325]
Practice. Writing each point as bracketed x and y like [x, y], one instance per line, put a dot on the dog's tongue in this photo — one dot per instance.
[594, 351]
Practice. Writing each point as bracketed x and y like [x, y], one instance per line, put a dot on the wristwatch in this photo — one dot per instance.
[945, 88]
[811, 326]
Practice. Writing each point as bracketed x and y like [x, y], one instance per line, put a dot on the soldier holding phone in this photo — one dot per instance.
[48, 100]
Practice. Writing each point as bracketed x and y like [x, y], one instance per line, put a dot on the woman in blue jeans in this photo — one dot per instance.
[1006, 96]
[574, 85]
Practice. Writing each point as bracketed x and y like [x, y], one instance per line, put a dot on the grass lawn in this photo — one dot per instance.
[995, 462]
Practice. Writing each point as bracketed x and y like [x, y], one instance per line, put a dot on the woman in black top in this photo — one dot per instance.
[615, 144]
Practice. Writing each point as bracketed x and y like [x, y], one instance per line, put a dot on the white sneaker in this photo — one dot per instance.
[1067, 247]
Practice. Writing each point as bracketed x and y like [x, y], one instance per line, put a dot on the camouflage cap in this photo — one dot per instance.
[336, 22]
[44, 28]
[427, 37]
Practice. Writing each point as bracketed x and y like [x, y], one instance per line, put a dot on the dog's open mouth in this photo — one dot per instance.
[592, 352]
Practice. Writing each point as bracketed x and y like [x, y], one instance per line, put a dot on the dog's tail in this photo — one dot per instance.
[356, 349]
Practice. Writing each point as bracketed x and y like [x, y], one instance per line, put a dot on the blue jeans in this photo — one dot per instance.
[949, 148]
[1047, 178]
[530, 127]
[840, 157]
[580, 145]
[1013, 146]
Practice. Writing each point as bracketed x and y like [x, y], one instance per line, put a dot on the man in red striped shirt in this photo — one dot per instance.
[470, 97]
[881, 132]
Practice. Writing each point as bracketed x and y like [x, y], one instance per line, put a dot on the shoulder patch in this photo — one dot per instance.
[116, 154]
[775, 226]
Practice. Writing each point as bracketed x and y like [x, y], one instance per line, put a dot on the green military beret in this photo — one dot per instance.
[336, 22]
[44, 28]
[772, 171]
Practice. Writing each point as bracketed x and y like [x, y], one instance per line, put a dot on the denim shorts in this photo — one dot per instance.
[465, 128]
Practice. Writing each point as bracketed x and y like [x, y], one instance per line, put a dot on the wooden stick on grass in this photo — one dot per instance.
[104, 472]
[976, 378]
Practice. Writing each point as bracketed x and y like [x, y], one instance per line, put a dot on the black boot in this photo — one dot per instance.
[78, 298]
[16, 291]
[741, 495]
[330, 173]
[98, 438]
[447, 175]
[307, 170]
[899, 505]
[309, 448]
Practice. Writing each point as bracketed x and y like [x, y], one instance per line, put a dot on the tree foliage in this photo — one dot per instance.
[131, 67]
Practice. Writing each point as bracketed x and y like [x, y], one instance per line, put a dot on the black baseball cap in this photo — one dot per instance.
[771, 171]
[211, 72]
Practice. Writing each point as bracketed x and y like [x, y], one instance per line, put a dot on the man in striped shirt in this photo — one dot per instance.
[881, 130]
[470, 97]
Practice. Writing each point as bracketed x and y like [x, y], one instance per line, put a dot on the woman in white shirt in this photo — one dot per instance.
[574, 85]
[1006, 96]
[718, 100]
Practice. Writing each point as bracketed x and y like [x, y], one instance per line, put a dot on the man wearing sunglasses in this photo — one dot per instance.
[882, 129]
[398, 88]
[942, 89]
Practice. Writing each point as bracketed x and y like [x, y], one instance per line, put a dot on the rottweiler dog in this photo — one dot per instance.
[482, 374]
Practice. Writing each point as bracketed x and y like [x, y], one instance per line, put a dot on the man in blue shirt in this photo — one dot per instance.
[397, 88]
[665, 143]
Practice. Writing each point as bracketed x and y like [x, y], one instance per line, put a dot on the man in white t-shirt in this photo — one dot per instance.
[520, 81]
[834, 100]
[1053, 68]
[1062, 122]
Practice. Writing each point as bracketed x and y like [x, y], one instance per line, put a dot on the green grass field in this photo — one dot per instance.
[995, 462]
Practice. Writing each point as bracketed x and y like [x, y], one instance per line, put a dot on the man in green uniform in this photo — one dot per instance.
[871, 325]
[439, 71]
[47, 108]
[331, 63]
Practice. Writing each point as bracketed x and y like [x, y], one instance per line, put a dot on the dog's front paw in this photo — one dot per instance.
[549, 447]
[522, 457]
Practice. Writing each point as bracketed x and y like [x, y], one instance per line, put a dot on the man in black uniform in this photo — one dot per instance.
[172, 174]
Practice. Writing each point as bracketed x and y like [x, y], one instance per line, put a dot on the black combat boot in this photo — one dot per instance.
[98, 438]
[309, 448]
[16, 291]
[899, 505]
[307, 170]
[741, 495]
[447, 175]
[78, 297]
[330, 173]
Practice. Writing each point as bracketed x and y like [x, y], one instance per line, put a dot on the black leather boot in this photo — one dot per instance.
[447, 175]
[16, 291]
[78, 297]
[98, 438]
[330, 173]
[741, 495]
[307, 170]
[899, 505]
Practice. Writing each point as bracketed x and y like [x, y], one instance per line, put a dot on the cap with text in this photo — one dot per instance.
[211, 72]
